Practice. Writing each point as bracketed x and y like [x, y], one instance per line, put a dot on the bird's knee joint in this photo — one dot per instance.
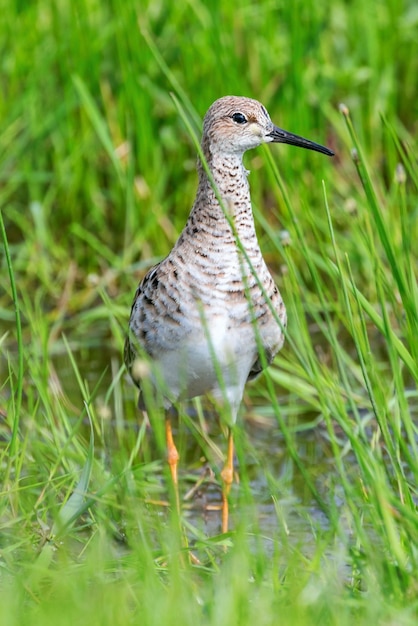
[227, 475]
[172, 456]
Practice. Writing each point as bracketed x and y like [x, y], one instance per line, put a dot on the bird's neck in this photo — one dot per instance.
[232, 189]
[213, 229]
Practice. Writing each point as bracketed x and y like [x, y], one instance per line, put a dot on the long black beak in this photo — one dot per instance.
[283, 136]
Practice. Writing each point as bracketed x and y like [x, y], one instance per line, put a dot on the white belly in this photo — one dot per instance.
[216, 362]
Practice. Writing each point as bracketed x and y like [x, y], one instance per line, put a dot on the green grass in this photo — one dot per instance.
[96, 181]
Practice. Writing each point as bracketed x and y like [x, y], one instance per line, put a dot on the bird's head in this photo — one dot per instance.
[235, 124]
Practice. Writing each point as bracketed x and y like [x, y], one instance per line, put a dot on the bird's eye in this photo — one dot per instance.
[239, 118]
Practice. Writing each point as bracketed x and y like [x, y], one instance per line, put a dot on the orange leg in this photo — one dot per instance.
[172, 459]
[227, 476]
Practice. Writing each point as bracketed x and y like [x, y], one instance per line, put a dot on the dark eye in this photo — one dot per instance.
[239, 118]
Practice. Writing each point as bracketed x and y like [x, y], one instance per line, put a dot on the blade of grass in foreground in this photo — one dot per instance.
[409, 302]
[390, 429]
[17, 396]
[75, 505]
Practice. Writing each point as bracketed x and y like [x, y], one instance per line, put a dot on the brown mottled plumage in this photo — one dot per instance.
[201, 315]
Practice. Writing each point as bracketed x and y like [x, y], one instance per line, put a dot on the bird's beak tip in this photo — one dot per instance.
[278, 135]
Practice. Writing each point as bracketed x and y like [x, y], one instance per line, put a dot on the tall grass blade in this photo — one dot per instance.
[17, 404]
[76, 503]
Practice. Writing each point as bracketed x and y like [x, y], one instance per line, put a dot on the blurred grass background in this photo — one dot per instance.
[97, 176]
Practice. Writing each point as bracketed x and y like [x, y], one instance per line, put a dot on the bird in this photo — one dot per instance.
[209, 317]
